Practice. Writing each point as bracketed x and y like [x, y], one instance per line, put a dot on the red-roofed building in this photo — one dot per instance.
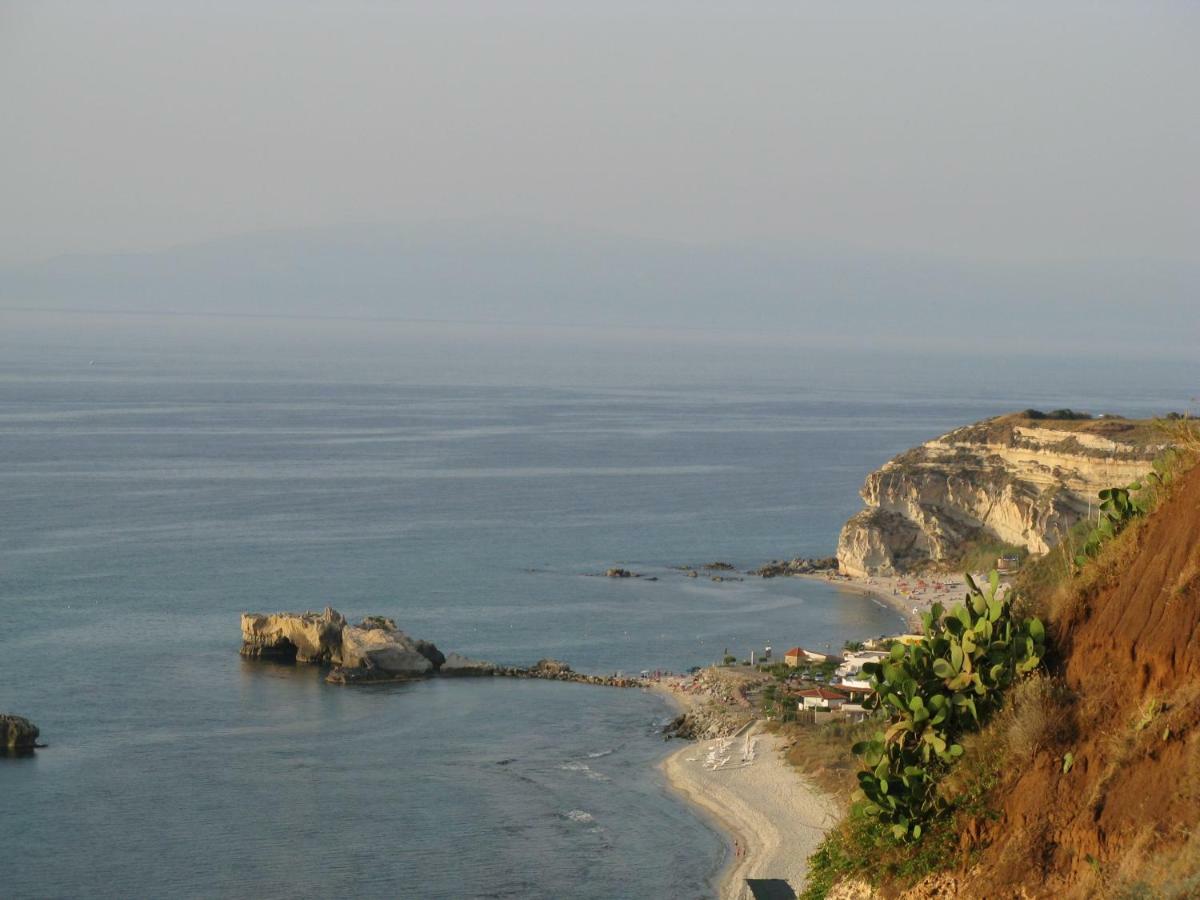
[798, 656]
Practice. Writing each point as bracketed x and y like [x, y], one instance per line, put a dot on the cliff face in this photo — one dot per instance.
[1018, 480]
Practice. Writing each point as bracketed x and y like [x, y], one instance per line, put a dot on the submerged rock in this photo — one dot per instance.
[305, 637]
[17, 734]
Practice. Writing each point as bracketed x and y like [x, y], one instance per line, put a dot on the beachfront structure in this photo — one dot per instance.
[798, 656]
[1007, 564]
[852, 663]
[821, 698]
[856, 689]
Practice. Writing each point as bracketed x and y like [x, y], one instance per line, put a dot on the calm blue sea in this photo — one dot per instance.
[145, 502]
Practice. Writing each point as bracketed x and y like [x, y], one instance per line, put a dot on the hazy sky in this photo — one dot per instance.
[1015, 131]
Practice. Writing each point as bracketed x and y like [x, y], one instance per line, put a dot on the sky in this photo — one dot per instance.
[1001, 132]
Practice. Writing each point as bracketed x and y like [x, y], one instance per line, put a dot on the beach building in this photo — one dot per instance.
[852, 663]
[798, 656]
[821, 698]
[857, 690]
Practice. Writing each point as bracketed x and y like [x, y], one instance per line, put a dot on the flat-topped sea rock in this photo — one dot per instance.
[307, 637]
[17, 734]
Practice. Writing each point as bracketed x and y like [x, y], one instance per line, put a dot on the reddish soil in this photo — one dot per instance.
[1125, 819]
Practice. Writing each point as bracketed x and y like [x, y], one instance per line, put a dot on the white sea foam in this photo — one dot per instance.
[584, 769]
[578, 815]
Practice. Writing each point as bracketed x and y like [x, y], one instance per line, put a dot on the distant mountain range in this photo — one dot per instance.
[519, 273]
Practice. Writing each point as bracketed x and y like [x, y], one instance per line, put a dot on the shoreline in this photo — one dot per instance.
[900, 593]
[742, 786]
[741, 783]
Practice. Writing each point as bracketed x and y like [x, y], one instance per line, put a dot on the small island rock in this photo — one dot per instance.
[17, 734]
[306, 637]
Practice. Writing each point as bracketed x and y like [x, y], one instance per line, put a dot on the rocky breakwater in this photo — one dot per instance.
[1020, 479]
[557, 670]
[17, 734]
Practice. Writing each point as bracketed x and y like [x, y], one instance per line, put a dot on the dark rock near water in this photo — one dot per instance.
[798, 566]
[430, 651]
[17, 734]
[619, 573]
[720, 566]
[682, 726]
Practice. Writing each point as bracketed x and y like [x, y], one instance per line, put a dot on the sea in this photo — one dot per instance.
[150, 496]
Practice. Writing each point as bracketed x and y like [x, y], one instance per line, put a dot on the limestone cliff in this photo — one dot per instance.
[1021, 480]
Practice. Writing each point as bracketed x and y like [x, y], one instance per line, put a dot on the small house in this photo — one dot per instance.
[821, 698]
[798, 656]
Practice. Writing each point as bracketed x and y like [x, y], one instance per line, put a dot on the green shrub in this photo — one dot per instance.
[1121, 505]
[937, 690]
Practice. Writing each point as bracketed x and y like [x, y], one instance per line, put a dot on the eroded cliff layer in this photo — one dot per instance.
[1015, 479]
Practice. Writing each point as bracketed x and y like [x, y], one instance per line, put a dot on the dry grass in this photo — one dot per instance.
[822, 753]
[1038, 714]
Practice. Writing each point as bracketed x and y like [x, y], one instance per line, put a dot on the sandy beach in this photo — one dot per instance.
[909, 595]
[743, 783]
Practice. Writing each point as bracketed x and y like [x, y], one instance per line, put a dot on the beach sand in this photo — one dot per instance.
[905, 593]
[743, 783]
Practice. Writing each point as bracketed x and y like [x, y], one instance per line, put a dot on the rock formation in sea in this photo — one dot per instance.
[373, 650]
[798, 566]
[17, 734]
[1015, 479]
[306, 637]
[379, 651]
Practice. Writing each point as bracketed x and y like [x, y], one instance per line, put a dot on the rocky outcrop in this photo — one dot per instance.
[305, 637]
[373, 650]
[378, 653]
[430, 651]
[17, 734]
[1012, 479]
[799, 566]
[455, 665]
